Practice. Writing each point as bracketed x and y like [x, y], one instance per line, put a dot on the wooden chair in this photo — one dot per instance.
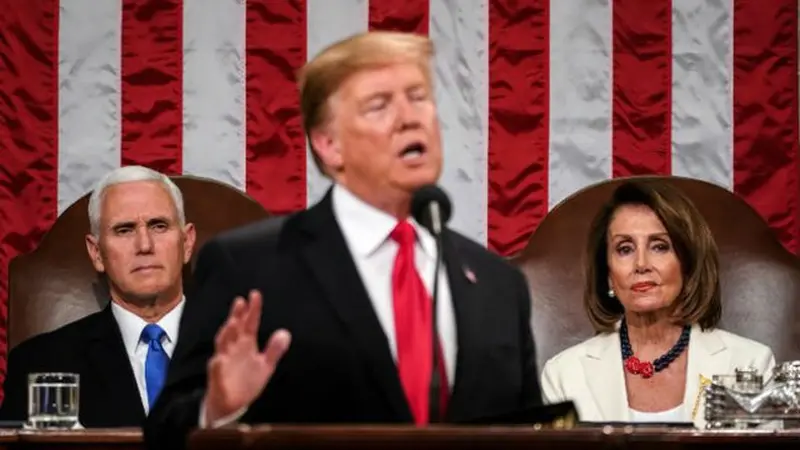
[760, 280]
[56, 283]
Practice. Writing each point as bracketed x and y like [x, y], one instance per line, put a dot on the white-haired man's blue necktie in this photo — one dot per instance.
[155, 365]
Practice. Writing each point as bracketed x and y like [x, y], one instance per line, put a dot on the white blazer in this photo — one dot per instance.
[591, 373]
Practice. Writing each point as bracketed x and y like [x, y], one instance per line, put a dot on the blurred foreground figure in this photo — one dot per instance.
[325, 316]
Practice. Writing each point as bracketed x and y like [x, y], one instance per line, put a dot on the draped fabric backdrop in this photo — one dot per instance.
[537, 99]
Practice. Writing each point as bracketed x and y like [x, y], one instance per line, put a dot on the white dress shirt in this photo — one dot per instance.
[131, 326]
[366, 231]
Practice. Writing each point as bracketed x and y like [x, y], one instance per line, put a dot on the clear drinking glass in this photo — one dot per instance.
[53, 400]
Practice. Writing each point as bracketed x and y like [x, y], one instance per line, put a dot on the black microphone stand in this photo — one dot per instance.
[434, 393]
[431, 208]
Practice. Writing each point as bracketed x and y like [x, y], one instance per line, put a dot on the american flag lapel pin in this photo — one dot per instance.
[470, 275]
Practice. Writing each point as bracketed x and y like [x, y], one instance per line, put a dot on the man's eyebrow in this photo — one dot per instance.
[123, 224]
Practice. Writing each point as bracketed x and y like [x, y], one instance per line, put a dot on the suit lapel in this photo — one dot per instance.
[707, 356]
[108, 359]
[467, 309]
[327, 255]
[602, 369]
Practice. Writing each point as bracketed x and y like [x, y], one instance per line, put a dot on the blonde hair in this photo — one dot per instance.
[321, 77]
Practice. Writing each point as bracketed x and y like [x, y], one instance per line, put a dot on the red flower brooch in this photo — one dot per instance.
[637, 367]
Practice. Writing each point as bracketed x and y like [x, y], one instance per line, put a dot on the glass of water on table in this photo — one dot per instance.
[53, 400]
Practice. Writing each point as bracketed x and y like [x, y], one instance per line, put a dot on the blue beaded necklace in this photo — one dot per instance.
[646, 368]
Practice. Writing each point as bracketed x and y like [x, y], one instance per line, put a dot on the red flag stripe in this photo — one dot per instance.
[642, 86]
[519, 93]
[152, 84]
[399, 15]
[765, 112]
[29, 137]
[276, 145]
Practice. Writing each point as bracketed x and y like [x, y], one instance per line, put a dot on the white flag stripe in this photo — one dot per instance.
[326, 24]
[580, 96]
[88, 95]
[460, 32]
[214, 123]
[702, 94]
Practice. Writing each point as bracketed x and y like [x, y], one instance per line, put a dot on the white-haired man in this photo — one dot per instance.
[140, 241]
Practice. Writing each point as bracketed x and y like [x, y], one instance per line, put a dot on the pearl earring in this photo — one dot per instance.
[611, 293]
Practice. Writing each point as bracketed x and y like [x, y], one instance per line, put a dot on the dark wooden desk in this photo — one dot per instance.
[389, 438]
[7, 439]
[95, 439]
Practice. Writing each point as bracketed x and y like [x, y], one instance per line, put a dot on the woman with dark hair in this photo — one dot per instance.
[652, 294]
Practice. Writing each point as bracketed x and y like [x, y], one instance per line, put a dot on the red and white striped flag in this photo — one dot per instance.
[537, 99]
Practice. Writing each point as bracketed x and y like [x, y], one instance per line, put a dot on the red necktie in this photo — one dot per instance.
[413, 327]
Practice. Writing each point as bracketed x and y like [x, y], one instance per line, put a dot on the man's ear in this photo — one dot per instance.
[189, 239]
[93, 248]
[324, 143]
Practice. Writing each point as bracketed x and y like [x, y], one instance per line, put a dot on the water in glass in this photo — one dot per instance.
[53, 400]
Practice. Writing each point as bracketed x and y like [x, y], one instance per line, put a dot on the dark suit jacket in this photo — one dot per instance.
[339, 368]
[91, 347]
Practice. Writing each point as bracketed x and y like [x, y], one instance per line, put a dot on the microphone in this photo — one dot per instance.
[431, 207]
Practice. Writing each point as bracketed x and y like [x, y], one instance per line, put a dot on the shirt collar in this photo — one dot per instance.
[366, 227]
[131, 325]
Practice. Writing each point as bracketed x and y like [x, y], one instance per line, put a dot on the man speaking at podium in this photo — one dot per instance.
[325, 316]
